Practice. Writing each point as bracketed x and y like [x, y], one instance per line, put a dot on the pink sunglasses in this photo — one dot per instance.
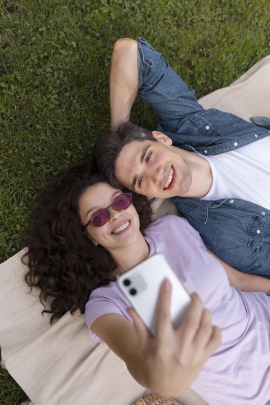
[102, 216]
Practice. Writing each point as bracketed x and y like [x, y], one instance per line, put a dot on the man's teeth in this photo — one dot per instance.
[169, 178]
[122, 227]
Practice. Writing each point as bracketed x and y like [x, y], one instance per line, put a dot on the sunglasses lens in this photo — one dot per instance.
[122, 202]
[99, 217]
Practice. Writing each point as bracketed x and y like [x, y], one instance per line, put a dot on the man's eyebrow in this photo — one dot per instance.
[135, 178]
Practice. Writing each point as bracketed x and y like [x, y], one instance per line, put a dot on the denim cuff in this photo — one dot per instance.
[261, 121]
[145, 51]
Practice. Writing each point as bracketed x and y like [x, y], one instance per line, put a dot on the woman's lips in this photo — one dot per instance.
[121, 228]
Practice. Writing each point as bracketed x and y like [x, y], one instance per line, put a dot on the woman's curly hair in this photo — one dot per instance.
[63, 262]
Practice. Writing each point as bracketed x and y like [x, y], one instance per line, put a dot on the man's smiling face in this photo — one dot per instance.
[155, 169]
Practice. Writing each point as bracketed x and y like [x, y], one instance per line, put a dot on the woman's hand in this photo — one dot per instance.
[174, 357]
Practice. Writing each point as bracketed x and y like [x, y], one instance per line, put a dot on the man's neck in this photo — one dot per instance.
[201, 175]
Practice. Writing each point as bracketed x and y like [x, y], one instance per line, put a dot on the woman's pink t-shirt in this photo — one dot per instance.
[239, 371]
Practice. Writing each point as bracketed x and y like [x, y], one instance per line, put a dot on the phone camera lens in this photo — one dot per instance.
[126, 282]
[133, 291]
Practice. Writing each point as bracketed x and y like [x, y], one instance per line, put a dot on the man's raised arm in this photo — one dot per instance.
[157, 83]
[123, 80]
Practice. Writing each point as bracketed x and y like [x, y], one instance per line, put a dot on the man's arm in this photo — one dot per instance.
[123, 80]
[160, 86]
[168, 363]
[244, 281]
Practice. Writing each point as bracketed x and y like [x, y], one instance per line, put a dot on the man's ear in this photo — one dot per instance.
[160, 137]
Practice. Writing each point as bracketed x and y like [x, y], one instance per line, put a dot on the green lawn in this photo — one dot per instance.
[54, 69]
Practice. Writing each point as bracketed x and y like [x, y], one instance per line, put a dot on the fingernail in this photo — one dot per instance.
[167, 286]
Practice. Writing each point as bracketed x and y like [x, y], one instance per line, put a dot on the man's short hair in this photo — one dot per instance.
[112, 142]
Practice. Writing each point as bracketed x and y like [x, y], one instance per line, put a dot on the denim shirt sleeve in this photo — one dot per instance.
[162, 88]
[237, 231]
[181, 117]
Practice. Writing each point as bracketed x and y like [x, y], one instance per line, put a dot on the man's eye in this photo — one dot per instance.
[148, 157]
[140, 182]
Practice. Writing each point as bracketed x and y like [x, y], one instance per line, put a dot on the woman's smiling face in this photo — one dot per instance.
[122, 228]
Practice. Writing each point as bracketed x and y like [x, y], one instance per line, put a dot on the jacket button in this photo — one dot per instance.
[258, 231]
[231, 201]
[207, 127]
[263, 213]
[235, 143]
[205, 151]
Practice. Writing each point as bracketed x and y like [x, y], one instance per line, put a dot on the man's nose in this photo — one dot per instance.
[156, 174]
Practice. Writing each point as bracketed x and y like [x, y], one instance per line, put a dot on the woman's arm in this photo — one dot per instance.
[244, 281]
[123, 80]
[168, 363]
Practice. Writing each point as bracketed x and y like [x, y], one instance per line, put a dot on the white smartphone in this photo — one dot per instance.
[141, 285]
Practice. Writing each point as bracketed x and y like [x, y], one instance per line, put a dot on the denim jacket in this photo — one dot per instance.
[237, 231]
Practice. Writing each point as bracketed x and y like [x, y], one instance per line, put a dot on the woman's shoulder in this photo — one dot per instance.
[109, 291]
[106, 299]
[171, 225]
[168, 221]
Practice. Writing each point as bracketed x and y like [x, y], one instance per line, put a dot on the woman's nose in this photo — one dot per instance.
[114, 214]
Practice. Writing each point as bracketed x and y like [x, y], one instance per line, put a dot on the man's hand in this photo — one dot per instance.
[174, 357]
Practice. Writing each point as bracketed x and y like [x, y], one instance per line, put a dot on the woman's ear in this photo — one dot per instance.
[91, 239]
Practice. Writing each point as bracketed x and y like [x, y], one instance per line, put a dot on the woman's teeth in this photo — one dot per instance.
[169, 178]
[122, 227]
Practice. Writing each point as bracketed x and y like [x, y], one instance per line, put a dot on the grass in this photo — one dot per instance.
[54, 70]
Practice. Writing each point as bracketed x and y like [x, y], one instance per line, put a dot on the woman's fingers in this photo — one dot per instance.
[213, 342]
[140, 328]
[205, 328]
[164, 324]
[163, 319]
[192, 320]
[197, 336]
[194, 340]
[208, 337]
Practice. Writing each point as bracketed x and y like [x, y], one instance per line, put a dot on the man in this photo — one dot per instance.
[214, 165]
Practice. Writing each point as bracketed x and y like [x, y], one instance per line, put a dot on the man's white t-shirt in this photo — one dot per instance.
[243, 173]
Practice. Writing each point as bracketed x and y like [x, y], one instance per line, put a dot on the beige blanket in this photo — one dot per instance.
[60, 364]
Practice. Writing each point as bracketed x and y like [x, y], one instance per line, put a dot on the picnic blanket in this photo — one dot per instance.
[60, 364]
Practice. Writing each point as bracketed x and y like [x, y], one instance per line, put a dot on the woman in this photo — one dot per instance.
[88, 233]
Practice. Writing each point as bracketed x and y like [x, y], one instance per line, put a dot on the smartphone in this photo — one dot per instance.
[141, 286]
